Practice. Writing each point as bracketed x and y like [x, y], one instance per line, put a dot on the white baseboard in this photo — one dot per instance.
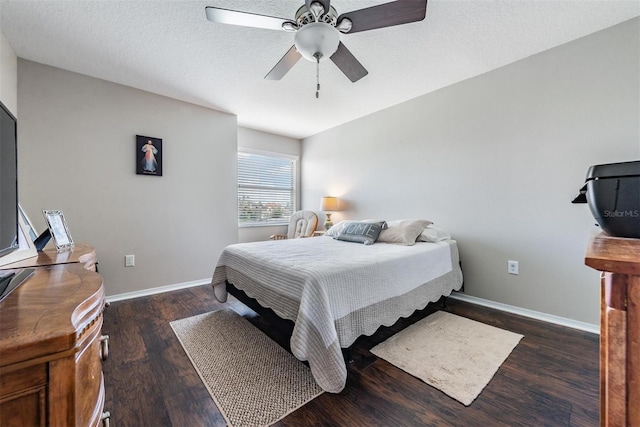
[550, 318]
[574, 324]
[158, 290]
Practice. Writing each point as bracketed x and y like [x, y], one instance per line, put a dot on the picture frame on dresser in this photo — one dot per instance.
[29, 228]
[26, 246]
[58, 229]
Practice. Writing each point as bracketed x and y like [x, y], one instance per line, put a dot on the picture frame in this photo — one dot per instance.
[29, 228]
[40, 241]
[27, 248]
[58, 229]
[148, 155]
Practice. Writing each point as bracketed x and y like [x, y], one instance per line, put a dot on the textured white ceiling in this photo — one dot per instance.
[169, 48]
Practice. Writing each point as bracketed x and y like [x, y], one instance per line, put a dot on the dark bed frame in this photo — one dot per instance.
[271, 317]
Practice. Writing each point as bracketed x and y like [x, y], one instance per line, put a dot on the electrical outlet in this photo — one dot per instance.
[129, 260]
[512, 267]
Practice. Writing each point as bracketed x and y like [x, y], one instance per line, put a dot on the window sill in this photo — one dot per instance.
[254, 225]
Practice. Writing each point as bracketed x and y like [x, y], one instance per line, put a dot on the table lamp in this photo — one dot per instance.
[328, 205]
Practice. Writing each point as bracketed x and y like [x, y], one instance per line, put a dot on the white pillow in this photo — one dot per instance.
[403, 231]
[433, 234]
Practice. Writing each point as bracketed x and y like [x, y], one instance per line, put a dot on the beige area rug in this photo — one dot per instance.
[454, 354]
[253, 381]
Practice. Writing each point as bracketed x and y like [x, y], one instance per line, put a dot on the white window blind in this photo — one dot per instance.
[266, 189]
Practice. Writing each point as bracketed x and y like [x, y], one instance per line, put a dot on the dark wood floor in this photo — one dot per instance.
[550, 379]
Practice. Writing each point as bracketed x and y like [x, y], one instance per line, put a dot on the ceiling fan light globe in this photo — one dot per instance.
[315, 38]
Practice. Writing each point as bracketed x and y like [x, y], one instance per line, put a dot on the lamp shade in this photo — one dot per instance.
[329, 204]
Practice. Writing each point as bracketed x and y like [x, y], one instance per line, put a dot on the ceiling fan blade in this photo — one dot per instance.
[325, 4]
[284, 65]
[386, 15]
[348, 63]
[245, 19]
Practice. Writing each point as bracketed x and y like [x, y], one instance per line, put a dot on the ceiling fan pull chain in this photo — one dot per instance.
[317, 55]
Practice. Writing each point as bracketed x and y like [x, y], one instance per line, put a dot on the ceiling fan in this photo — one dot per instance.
[317, 29]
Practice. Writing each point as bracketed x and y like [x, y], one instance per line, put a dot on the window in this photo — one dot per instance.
[266, 188]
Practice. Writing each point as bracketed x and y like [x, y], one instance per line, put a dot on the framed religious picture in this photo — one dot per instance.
[148, 155]
[58, 229]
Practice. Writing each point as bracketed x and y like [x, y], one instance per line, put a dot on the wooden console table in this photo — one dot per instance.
[51, 345]
[619, 261]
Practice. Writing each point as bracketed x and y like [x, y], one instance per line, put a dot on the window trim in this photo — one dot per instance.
[296, 197]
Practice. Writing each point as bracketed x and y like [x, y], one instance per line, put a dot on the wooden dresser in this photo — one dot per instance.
[619, 261]
[51, 344]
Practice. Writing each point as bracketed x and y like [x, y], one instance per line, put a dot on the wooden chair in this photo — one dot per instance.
[301, 224]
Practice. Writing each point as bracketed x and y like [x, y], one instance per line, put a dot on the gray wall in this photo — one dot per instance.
[496, 160]
[8, 75]
[77, 154]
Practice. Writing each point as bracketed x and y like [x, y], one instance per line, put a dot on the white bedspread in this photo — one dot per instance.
[336, 291]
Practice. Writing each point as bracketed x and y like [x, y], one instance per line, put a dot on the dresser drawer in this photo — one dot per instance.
[23, 396]
[89, 380]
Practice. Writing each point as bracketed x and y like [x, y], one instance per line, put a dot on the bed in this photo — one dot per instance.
[335, 291]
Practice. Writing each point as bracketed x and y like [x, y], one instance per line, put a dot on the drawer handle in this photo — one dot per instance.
[106, 415]
[104, 347]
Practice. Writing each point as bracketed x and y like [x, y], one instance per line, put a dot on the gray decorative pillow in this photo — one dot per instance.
[337, 228]
[361, 232]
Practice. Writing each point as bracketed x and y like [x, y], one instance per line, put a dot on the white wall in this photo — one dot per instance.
[8, 75]
[496, 160]
[263, 141]
[77, 153]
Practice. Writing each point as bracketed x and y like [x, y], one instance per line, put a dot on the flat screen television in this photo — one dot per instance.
[8, 182]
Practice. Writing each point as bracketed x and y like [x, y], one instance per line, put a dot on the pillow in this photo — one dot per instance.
[360, 232]
[337, 228]
[433, 234]
[403, 231]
